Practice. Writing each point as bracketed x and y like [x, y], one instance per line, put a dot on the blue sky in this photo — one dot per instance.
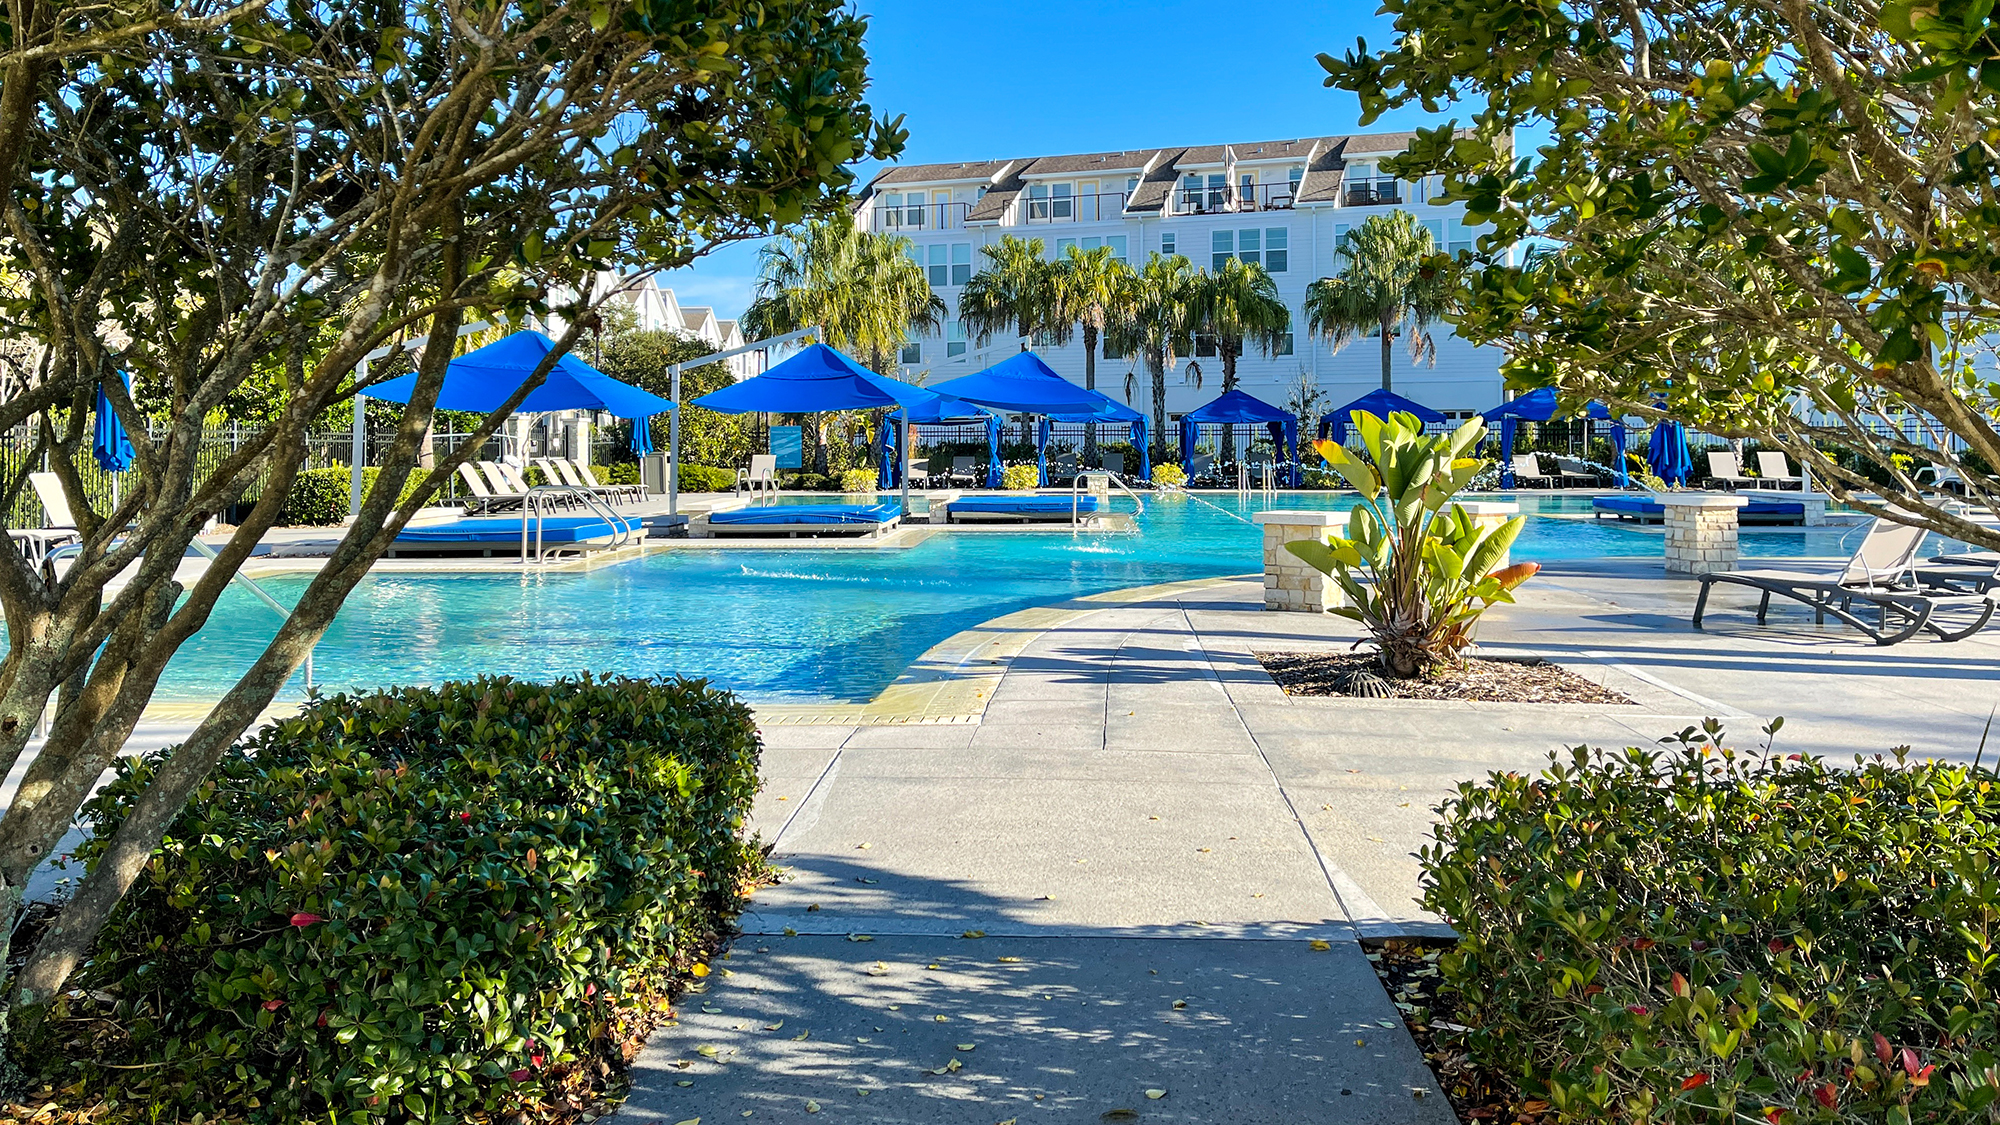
[1036, 78]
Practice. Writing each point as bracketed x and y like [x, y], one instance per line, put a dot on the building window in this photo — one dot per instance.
[913, 352]
[954, 339]
[1461, 237]
[940, 272]
[1285, 348]
[1218, 190]
[1111, 352]
[1063, 246]
[1277, 250]
[1062, 207]
[1204, 345]
[1038, 202]
[1117, 244]
[916, 254]
[961, 262]
[1167, 243]
[892, 209]
[1249, 247]
[1222, 247]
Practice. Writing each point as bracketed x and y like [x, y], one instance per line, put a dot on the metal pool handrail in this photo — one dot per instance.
[1076, 493]
[534, 507]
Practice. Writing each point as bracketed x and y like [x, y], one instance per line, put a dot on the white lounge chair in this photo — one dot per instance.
[1776, 472]
[1882, 573]
[1527, 466]
[1568, 471]
[1723, 469]
[961, 470]
[587, 477]
[58, 523]
[761, 476]
[483, 498]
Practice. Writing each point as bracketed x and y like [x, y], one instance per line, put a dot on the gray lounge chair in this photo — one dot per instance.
[58, 523]
[1200, 468]
[1882, 573]
[1528, 467]
[1777, 473]
[1569, 472]
[1062, 467]
[962, 471]
[1723, 470]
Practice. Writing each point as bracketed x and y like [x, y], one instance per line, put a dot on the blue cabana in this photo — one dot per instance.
[945, 410]
[1538, 405]
[479, 381]
[1619, 472]
[1667, 452]
[1112, 412]
[1022, 382]
[1380, 403]
[1235, 408]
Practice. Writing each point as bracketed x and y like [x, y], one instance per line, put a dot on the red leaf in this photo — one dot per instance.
[534, 1060]
[273, 1005]
[302, 919]
[465, 816]
[1776, 946]
[1774, 1115]
[521, 1075]
[1922, 1077]
[1826, 1095]
[1909, 1061]
[1882, 1050]
[1639, 1009]
[1680, 985]
[1694, 1081]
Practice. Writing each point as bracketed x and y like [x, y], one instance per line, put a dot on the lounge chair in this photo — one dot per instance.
[1062, 467]
[58, 523]
[962, 470]
[1200, 467]
[1723, 470]
[1528, 467]
[1775, 472]
[1568, 471]
[1882, 573]
[587, 476]
[508, 480]
[484, 498]
[761, 476]
[1114, 463]
[562, 470]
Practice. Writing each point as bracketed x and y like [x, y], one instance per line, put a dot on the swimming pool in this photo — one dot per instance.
[792, 625]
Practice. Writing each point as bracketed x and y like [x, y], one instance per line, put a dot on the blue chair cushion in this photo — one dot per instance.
[500, 529]
[809, 514]
[1025, 505]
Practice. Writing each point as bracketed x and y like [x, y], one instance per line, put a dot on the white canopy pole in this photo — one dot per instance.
[674, 393]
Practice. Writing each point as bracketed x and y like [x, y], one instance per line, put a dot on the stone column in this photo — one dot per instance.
[1489, 514]
[1289, 584]
[1701, 531]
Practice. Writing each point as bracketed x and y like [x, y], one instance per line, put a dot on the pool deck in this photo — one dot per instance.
[1062, 822]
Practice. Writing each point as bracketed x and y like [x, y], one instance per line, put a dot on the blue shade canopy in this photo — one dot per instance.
[1380, 403]
[818, 378]
[108, 441]
[1667, 452]
[1022, 382]
[479, 381]
[942, 410]
[1235, 407]
[1538, 405]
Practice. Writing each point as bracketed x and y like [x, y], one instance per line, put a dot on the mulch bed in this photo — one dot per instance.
[1408, 970]
[1473, 680]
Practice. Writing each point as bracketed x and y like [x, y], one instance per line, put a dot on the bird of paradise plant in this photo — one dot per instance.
[1416, 568]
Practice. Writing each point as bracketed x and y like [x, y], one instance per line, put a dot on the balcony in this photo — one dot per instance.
[921, 216]
[1380, 193]
[1039, 209]
[1243, 198]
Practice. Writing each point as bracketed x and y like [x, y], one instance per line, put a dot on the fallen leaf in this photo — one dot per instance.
[748, 1112]
[859, 937]
[790, 932]
[1386, 1023]
[862, 845]
[813, 909]
[705, 1051]
[699, 969]
[1156, 1093]
[1010, 960]
[1120, 1114]
[940, 1019]
[684, 1082]
[689, 1121]
[967, 1046]
[973, 934]
[1201, 849]
[1179, 1004]
[859, 879]
[954, 1064]
[1320, 945]
[1377, 839]
[812, 1107]
[801, 1036]
[774, 1026]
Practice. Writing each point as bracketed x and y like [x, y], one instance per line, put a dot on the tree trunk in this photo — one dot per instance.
[1156, 366]
[1388, 344]
[1228, 384]
[1090, 458]
[819, 444]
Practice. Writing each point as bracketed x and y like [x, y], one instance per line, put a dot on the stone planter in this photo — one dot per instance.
[1289, 584]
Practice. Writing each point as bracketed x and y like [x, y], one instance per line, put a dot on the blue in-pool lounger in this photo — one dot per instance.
[807, 519]
[1020, 508]
[501, 535]
[1642, 510]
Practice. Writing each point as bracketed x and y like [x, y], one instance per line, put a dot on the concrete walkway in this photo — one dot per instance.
[1136, 819]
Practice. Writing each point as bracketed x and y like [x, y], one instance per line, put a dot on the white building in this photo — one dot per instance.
[656, 310]
[1282, 204]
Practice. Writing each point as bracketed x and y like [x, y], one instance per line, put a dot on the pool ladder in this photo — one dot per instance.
[1266, 483]
[535, 509]
[1076, 493]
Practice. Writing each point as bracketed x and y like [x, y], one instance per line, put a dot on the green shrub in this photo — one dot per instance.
[320, 497]
[859, 480]
[1169, 475]
[1020, 478]
[706, 478]
[808, 482]
[1697, 935]
[617, 472]
[436, 903]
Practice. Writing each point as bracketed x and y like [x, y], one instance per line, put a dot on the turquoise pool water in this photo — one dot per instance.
[796, 624]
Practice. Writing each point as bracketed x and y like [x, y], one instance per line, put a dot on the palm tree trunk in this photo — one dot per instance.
[1388, 343]
[1156, 366]
[1090, 384]
[1228, 384]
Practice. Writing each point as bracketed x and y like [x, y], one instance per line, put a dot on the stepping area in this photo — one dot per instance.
[1136, 815]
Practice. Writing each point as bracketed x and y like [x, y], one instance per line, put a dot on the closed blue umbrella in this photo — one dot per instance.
[108, 441]
[1667, 453]
[1619, 473]
[642, 435]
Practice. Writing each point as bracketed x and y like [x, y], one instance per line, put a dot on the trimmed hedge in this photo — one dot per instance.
[319, 497]
[706, 478]
[1697, 935]
[421, 903]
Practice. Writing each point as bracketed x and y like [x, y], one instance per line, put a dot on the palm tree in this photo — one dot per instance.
[1386, 281]
[1016, 289]
[862, 288]
[1238, 304]
[1155, 317]
[1088, 284]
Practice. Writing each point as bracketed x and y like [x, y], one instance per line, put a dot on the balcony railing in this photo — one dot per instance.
[1241, 198]
[1378, 194]
[921, 216]
[1073, 208]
